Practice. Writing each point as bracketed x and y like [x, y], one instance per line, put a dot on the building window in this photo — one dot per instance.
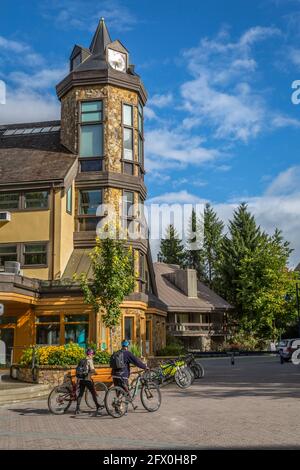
[141, 135]
[89, 200]
[128, 132]
[35, 254]
[69, 200]
[8, 253]
[91, 135]
[36, 200]
[129, 328]
[9, 201]
[48, 329]
[77, 329]
[128, 204]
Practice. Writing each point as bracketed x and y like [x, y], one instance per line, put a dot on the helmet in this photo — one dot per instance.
[125, 343]
[90, 351]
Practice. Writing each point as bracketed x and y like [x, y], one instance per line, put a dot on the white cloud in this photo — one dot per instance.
[41, 79]
[28, 106]
[172, 145]
[161, 101]
[287, 182]
[285, 121]
[221, 92]
[178, 197]
[85, 14]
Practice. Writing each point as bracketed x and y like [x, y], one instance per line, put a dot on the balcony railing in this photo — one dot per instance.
[193, 329]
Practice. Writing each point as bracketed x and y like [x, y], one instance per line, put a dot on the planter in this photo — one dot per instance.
[56, 375]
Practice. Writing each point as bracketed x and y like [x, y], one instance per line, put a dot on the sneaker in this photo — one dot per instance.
[77, 412]
[97, 412]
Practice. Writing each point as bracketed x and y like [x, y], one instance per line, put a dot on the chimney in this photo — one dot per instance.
[186, 280]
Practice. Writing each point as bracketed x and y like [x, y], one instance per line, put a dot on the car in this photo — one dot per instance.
[286, 347]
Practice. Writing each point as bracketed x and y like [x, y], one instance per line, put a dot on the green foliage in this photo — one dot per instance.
[113, 278]
[66, 355]
[171, 350]
[101, 357]
[135, 349]
[171, 248]
[265, 288]
[194, 252]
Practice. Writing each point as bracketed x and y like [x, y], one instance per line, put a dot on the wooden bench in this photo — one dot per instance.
[103, 374]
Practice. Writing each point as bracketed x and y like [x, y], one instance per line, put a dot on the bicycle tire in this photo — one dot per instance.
[119, 405]
[101, 390]
[198, 370]
[146, 392]
[183, 378]
[64, 405]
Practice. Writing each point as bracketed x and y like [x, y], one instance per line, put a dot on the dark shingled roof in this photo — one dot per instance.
[33, 157]
[177, 301]
[42, 141]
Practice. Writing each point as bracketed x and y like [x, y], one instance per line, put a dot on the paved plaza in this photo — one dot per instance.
[254, 403]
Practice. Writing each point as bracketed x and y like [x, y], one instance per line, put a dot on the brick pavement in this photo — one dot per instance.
[254, 403]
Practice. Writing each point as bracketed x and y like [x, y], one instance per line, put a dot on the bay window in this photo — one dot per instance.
[91, 136]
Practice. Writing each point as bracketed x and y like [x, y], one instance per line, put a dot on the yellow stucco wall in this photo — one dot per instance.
[67, 229]
[26, 226]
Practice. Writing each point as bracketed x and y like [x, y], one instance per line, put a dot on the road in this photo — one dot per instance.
[254, 403]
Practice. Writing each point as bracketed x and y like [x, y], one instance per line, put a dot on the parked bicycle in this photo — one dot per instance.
[196, 367]
[173, 370]
[118, 398]
[61, 397]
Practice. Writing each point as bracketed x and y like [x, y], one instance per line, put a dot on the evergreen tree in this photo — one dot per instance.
[243, 238]
[194, 251]
[171, 248]
[265, 288]
[213, 236]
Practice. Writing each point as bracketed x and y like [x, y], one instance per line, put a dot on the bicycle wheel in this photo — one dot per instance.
[150, 396]
[183, 378]
[198, 370]
[59, 401]
[116, 402]
[101, 390]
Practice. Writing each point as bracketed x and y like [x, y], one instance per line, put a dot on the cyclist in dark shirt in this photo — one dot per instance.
[124, 374]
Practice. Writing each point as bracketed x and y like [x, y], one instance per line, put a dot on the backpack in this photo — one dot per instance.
[82, 370]
[117, 360]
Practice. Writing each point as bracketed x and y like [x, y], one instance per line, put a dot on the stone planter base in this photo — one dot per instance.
[55, 375]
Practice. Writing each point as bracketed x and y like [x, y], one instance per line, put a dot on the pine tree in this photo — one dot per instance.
[213, 236]
[243, 238]
[171, 248]
[194, 251]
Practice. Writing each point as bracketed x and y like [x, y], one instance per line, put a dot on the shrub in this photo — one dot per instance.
[171, 350]
[101, 357]
[135, 349]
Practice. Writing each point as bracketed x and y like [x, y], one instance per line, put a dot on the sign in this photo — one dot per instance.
[1, 309]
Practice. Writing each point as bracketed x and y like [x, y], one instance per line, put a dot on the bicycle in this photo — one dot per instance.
[196, 367]
[170, 371]
[61, 396]
[117, 398]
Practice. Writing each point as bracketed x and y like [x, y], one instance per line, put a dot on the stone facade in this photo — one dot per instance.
[113, 98]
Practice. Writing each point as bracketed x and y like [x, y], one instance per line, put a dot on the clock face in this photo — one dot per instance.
[117, 60]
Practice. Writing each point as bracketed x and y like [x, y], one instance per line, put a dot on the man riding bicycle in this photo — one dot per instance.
[120, 363]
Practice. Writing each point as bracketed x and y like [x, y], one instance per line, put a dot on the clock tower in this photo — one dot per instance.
[102, 100]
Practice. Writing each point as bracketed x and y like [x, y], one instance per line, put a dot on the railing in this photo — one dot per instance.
[194, 328]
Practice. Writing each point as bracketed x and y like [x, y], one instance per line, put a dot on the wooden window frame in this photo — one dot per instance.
[95, 158]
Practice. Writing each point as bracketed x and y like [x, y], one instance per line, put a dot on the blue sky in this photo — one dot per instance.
[220, 123]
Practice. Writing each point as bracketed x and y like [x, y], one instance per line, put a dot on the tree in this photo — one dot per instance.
[265, 289]
[243, 238]
[194, 251]
[171, 248]
[213, 236]
[113, 279]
